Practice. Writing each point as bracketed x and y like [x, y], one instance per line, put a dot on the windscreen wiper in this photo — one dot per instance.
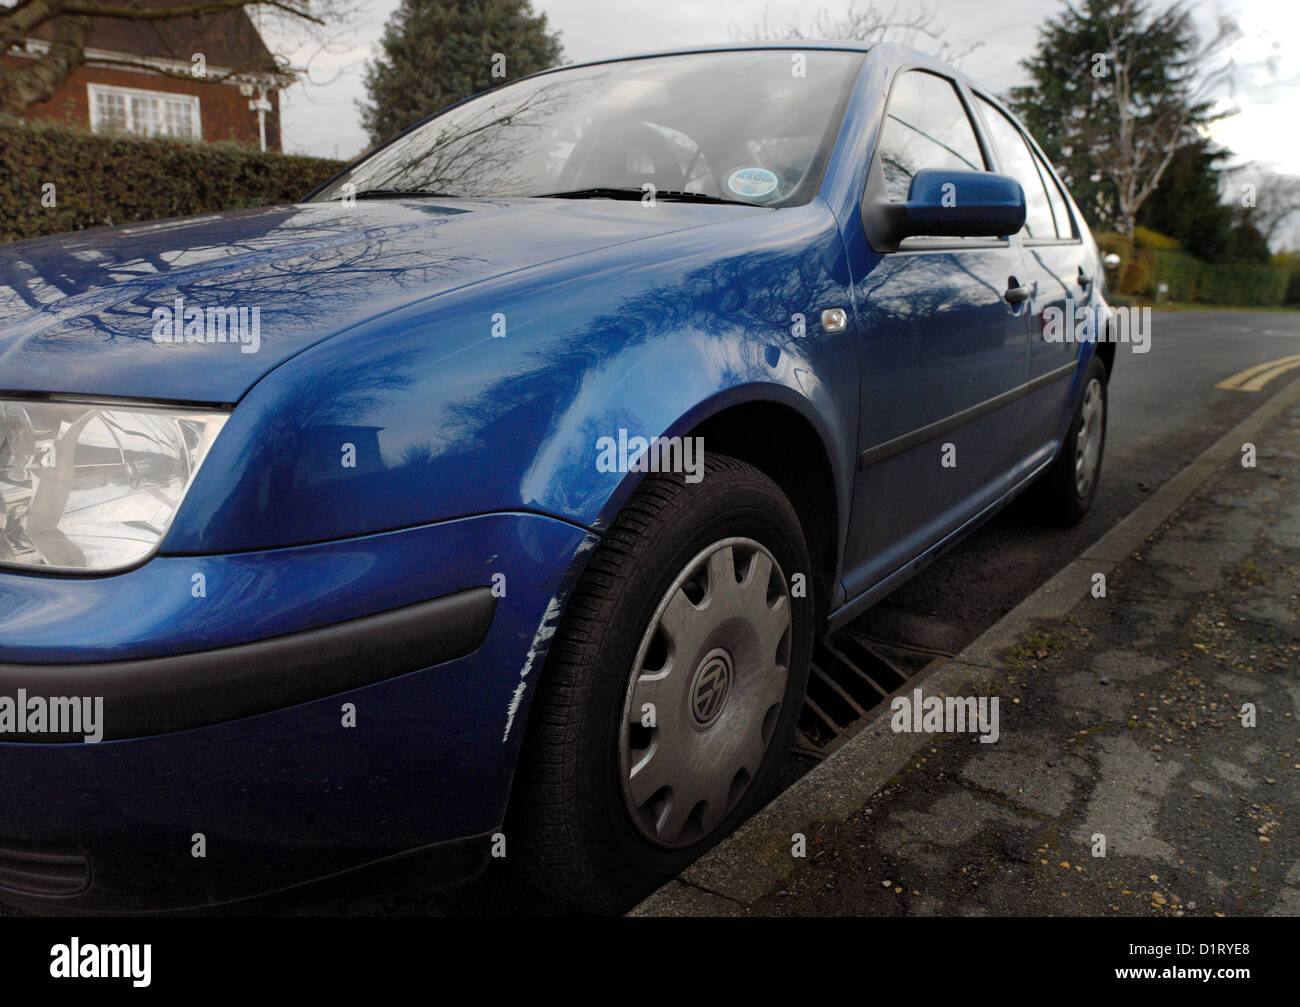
[399, 193]
[669, 195]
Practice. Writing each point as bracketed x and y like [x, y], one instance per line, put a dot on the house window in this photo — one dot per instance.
[150, 113]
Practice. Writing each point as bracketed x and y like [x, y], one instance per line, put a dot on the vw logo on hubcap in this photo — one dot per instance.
[712, 684]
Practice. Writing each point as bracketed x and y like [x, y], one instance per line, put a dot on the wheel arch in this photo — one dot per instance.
[1106, 351]
[771, 428]
[782, 444]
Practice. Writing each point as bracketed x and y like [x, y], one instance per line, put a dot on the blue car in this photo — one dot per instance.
[489, 501]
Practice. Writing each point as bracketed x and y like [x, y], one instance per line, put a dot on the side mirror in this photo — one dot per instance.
[942, 203]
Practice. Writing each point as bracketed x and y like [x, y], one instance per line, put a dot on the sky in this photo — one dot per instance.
[320, 114]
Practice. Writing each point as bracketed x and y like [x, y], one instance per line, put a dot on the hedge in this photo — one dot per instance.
[1190, 279]
[1148, 262]
[1182, 272]
[1147, 238]
[103, 179]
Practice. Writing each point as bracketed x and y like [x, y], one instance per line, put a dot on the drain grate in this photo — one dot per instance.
[852, 675]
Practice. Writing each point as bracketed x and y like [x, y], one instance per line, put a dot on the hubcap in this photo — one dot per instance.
[705, 692]
[1087, 443]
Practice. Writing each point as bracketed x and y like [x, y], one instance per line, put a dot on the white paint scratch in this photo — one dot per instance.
[546, 630]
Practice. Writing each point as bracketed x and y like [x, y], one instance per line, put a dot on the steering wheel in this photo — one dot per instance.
[667, 172]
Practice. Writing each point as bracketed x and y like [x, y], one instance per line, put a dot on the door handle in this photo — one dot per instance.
[1016, 294]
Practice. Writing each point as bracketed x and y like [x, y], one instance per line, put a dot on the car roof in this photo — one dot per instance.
[889, 51]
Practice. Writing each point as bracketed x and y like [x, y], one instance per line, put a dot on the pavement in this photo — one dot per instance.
[1147, 760]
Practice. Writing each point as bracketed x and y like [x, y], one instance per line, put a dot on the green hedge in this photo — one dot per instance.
[1182, 272]
[1144, 267]
[1147, 238]
[1190, 279]
[101, 180]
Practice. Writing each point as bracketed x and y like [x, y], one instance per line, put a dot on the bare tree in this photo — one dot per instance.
[51, 38]
[913, 25]
[1134, 149]
[1264, 198]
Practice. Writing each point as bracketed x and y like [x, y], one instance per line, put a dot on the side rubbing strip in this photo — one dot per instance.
[873, 456]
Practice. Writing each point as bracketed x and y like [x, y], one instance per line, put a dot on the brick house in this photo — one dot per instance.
[100, 95]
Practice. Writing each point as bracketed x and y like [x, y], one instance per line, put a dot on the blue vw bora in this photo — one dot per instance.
[495, 494]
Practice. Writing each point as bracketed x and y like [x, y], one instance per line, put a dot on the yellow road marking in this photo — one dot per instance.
[1241, 381]
[1255, 384]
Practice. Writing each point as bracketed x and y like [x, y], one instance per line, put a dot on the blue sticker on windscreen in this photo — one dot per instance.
[752, 182]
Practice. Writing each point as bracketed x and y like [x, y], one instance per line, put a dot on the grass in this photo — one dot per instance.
[1252, 572]
[1034, 647]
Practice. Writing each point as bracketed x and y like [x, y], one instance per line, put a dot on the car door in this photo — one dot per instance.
[943, 350]
[1056, 270]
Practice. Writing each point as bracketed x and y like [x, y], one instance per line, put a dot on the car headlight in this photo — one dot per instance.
[93, 487]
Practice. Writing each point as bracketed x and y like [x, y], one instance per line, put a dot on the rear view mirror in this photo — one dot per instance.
[942, 203]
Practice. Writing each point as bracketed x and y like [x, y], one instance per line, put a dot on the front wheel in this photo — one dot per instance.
[672, 689]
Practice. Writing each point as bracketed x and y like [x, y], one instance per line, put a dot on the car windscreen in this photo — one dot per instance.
[751, 126]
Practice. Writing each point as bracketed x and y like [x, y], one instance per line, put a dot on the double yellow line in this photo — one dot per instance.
[1252, 379]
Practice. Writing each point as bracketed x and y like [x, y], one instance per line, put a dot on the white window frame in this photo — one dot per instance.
[92, 90]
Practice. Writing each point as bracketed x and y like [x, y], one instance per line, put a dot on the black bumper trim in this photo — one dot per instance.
[178, 692]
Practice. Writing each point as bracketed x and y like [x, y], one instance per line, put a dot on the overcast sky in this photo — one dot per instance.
[322, 118]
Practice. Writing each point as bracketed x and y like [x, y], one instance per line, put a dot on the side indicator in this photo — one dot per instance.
[835, 320]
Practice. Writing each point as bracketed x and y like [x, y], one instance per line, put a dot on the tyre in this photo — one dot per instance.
[1064, 492]
[672, 688]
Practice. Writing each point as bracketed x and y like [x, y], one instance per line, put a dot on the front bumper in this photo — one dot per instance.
[271, 718]
[159, 695]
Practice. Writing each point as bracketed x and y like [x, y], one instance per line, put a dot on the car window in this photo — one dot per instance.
[1017, 160]
[1060, 209]
[926, 126]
